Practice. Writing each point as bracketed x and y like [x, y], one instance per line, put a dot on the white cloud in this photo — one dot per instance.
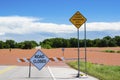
[26, 25]
[2, 33]
[102, 26]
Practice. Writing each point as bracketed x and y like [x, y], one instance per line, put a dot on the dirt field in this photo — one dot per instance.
[94, 55]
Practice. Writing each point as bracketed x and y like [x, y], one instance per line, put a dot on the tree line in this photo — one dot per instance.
[22, 45]
[73, 42]
[61, 42]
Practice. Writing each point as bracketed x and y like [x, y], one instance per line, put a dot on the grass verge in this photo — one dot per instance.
[111, 51]
[101, 72]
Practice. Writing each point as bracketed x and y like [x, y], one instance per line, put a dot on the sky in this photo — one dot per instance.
[37, 20]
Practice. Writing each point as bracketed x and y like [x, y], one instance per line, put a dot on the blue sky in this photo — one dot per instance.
[40, 19]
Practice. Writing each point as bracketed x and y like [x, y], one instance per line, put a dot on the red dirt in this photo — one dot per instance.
[94, 55]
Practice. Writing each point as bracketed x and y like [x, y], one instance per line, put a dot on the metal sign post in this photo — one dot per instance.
[63, 51]
[29, 69]
[78, 20]
[78, 55]
[85, 49]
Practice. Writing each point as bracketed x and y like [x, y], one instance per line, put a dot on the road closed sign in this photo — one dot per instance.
[39, 59]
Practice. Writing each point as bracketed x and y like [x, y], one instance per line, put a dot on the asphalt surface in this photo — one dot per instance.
[47, 73]
[22, 73]
[67, 73]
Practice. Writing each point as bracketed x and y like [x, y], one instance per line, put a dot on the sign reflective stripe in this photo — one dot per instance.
[22, 60]
[56, 59]
[59, 59]
[26, 60]
[51, 59]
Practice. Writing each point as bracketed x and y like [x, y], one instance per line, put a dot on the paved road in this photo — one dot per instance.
[67, 73]
[21, 73]
[47, 73]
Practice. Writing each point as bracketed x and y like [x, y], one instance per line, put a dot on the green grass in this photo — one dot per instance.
[101, 72]
[109, 51]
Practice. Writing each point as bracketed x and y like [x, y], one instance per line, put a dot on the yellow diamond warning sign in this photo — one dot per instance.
[78, 19]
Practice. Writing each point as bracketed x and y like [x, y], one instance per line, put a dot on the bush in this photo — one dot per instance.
[109, 51]
[46, 46]
[118, 51]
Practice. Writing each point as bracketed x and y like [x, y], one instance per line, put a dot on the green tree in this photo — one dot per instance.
[48, 42]
[82, 43]
[57, 42]
[34, 43]
[107, 38]
[106, 41]
[27, 45]
[46, 46]
[89, 43]
[20, 45]
[112, 43]
[1, 44]
[117, 39]
[96, 42]
[66, 43]
[73, 42]
[10, 44]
